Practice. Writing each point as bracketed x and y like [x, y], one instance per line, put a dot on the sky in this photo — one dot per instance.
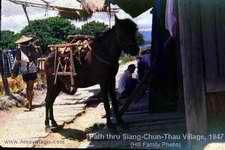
[14, 19]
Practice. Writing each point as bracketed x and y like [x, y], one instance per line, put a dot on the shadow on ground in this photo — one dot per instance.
[73, 134]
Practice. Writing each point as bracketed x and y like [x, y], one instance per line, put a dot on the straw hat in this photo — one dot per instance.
[23, 39]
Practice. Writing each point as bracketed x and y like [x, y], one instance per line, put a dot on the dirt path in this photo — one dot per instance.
[74, 134]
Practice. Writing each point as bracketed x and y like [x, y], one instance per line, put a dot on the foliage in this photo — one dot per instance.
[56, 30]
[140, 38]
[8, 39]
[126, 58]
[93, 28]
[50, 31]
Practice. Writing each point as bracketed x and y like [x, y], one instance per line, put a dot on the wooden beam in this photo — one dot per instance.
[137, 93]
[192, 58]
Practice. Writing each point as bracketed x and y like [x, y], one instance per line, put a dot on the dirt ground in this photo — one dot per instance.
[20, 128]
[74, 134]
[83, 124]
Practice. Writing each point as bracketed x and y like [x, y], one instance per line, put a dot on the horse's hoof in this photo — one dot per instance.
[47, 129]
[54, 129]
[54, 125]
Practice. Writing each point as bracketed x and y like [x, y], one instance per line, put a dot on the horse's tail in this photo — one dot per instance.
[49, 65]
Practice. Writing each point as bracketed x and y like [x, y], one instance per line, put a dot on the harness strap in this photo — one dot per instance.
[98, 57]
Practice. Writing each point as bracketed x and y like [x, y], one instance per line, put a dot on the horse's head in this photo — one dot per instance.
[126, 31]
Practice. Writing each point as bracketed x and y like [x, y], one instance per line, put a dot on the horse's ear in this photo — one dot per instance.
[116, 19]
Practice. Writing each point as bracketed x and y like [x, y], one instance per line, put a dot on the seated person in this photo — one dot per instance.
[126, 83]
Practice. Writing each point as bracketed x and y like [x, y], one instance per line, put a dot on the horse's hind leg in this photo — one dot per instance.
[104, 91]
[47, 104]
[52, 93]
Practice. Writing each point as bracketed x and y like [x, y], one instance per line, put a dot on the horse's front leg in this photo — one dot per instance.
[104, 90]
[54, 94]
[47, 111]
[112, 94]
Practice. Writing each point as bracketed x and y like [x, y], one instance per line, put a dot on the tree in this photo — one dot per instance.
[50, 31]
[8, 39]
[93, 28]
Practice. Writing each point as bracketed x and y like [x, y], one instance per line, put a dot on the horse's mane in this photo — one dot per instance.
[103, 34]
[128, 24]
[125, 24]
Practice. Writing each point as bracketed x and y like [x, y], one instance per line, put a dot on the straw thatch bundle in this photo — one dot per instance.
[88, 7]
[93, 5]
[71, 9]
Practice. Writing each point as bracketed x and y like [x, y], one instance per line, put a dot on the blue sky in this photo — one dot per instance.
[13, 17]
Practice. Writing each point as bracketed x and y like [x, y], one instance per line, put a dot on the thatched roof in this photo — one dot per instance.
[83, 9]
[70, 9]
[87, 8]
[132, 7]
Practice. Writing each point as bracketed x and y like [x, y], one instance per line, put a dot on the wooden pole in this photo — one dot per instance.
[192, 58]
[25, 11]
[4, 79]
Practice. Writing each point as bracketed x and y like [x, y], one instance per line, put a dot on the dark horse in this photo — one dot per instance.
[102, 69]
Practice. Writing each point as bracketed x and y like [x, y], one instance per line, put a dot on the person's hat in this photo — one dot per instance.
[23, 39]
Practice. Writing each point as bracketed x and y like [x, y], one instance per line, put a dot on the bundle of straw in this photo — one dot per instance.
[93, 5]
